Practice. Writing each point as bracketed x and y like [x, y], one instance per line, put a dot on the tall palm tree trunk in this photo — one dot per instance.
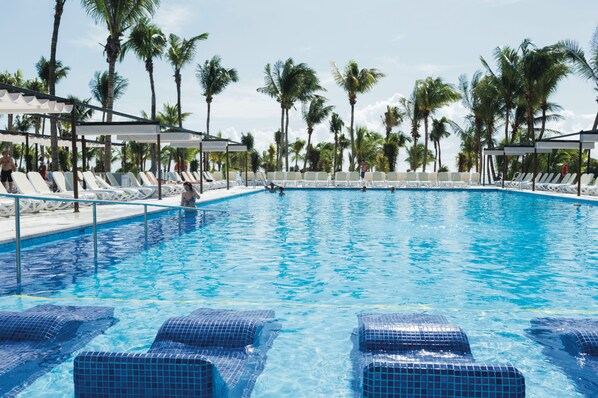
[435, 154]
[110, 106]
[209, 102]
[543, 123]
[58, 9]
[286, 141]
[280, 140]
[425, 160]
[595, 126]
[439, 157]
[309, 131]
[149, 65]
[352, 157]
[508, 110]
[335, 153]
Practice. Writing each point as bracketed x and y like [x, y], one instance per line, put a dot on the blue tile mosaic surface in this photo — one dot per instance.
[571, 344]
[421, 355]
[210, 353]
[34, 341]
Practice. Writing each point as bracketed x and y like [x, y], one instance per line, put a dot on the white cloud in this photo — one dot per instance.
[94, 38]
[173, 18]
[501, 3]
[398, 37]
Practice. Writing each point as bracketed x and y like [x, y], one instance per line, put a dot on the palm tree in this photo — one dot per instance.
[439, 131]
[541, 69]
[432, 94]
[296, 148]
[314, 113]
[587, 68]
[391, 118]
[53, 77]
[99, 88]
[416, 156]
[118, 15]
[181, 52]
[214, 78]
[147, 42]
[43, 72]
[287, 83]
[412, 112]
[368, 145]
[170, 117]
[355, 81]
[471, 100]
[343, 143]
[336, 125]
[507, 81]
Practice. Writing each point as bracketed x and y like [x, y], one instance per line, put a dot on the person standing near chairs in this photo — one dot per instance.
[363, 168]
[8, 166]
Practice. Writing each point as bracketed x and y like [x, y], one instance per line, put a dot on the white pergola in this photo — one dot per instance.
[20, 103]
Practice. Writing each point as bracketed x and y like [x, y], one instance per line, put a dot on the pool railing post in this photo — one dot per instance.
[180, 217]
[535, 170]
[504, 169]
[227, 168]
[145, 225]
[95, 231]
[18, 241]
[580, 163]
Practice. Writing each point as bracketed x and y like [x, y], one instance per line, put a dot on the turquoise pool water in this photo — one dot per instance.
[490, 261]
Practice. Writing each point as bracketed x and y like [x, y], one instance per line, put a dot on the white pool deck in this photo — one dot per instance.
[48, 222]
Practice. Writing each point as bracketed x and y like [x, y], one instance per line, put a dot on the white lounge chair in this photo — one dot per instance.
[176, 188]
[309, 179]
[457, 179]
[7, 204]
[233, 178]
[411, 179]
[379, 179]
[368, 178]
[145, 182]
[260, 178]
[444, 179]
[424, 179]
[322, 179]
[585, 180]
[353, 179]
[41, 187]
[133, 193]
[91, 182]
[292, 178]
[340, 179]
[568, 179]
[24, 187]
[543, 186]
[395, 178]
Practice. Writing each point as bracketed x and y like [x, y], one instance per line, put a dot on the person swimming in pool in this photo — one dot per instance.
[272, 187]
[281, 191]
[189, 195]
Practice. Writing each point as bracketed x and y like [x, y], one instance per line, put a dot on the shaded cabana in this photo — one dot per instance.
[213, 145]
[582, 141]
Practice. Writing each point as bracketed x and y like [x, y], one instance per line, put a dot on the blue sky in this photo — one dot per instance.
[407, 40]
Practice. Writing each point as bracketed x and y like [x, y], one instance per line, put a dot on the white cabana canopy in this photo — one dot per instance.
[119, 128]
[21, 139]
[207, 146]
[164, 137]
[18, 103]
[589, 136]
[524, 150]
[556, 144]
[494, 152]
[237, 148]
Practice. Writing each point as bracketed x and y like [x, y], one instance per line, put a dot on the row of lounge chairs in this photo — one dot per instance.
[555, 182]
[220, 353]
[92, 187]
[374, 179]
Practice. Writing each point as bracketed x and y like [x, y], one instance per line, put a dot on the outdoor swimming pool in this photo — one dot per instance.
[489, 261]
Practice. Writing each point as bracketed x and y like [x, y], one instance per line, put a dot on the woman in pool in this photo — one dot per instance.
[189, 195]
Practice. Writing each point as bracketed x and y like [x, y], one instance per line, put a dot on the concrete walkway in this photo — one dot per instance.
[47, 222]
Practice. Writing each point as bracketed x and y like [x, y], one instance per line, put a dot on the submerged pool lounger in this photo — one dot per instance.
[571, 344]
[210, 353]
[34, 341]
[421, 355]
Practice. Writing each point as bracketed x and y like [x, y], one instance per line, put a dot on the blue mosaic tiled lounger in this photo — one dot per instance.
[210, 353]
[420, 355]
[571, 344]
[34, 341]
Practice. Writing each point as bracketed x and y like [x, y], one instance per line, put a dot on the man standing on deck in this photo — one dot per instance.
[8, 166]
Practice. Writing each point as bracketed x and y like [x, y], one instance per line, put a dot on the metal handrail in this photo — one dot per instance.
[18, 197]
